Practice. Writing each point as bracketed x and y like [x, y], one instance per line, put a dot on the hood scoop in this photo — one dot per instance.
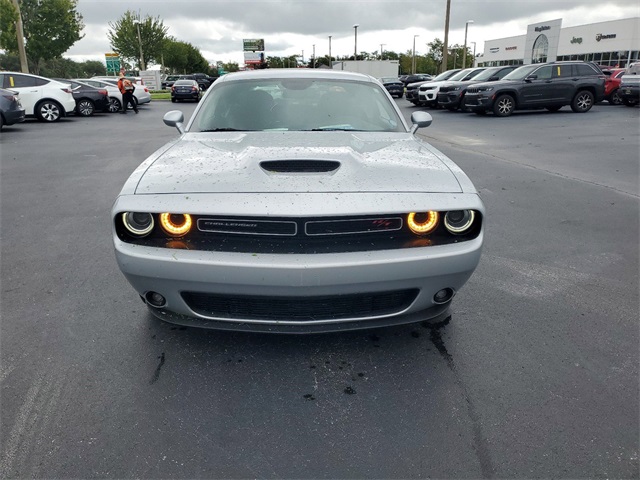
[300, 166]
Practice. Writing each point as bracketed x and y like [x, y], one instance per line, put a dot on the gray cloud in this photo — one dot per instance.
[314, 20]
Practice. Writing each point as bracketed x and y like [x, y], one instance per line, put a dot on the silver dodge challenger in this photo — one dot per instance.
[297, 201]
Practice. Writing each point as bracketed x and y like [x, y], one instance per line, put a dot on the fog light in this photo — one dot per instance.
[155, 299]
[443, 296]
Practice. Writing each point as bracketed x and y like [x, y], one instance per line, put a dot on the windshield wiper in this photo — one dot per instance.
[226, 129]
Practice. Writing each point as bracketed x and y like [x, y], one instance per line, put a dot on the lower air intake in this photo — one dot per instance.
[300, 309]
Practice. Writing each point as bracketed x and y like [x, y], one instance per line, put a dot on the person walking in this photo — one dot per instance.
[126, 88]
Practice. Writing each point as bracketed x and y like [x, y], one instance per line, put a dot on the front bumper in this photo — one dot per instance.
[171, 273]
[475, 101]
[449, 100]
[12, 117]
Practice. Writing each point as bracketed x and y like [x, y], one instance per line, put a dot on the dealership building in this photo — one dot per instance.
[612, 43]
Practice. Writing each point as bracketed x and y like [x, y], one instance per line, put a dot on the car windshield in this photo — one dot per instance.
[461, 74]
[520, 72]
[389, 79]
[297, 104]
[487, 74]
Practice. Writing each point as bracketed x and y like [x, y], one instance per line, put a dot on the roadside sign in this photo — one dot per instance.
[253, 44]
[113, 62]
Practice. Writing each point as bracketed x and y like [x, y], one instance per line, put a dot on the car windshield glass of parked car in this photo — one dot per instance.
[487, 74]
[521, 72]
[297, 104]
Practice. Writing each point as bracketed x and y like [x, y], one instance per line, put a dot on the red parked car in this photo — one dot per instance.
[612, 85]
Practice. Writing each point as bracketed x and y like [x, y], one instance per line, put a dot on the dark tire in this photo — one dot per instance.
[614, 98]
[1, 121]
[85, 108]
[554, 109]
[401, 95]
[114, 105]
[173, 100]
[48, 111]
[504, 105]
[582, 102]
[629, 103]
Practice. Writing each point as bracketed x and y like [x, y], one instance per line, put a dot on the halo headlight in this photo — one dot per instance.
[138, 223]
[459, 221]
[423, 223]
[176, 224]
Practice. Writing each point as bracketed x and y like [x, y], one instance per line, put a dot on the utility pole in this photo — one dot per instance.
[464, 55]
[330, 61]
[24, 66]
[445, 47]
[381, 47]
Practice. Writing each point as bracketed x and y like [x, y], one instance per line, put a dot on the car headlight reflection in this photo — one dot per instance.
[138, 223]
[423, 223]
[176, 224]
[459, 221]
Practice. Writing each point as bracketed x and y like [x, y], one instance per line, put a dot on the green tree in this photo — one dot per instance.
[123, 37]
[182, 57]
[51, 27]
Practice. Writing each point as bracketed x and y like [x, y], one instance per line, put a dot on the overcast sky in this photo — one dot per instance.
[289, 27]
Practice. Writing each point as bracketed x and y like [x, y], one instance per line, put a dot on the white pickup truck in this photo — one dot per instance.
[630, 85]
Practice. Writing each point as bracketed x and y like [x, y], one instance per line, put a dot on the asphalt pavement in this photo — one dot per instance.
[535, 374]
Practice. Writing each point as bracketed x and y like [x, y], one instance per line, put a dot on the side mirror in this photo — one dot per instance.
[493, 79]
[420, 120]
[174, 118]
[530, 78]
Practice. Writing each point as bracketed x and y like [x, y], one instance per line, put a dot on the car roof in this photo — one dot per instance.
[284, 73]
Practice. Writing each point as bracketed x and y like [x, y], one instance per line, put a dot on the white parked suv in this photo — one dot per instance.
[47, 100]
[428, 92]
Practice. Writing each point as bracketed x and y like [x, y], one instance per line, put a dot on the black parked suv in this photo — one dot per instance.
[451, 95]
[548, 85]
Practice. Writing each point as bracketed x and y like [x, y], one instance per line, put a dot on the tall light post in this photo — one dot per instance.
[355, 44]
[413, 60]
[142, 65]
[313, 63]
[474, 53]
[445, 46]
[464, 54]
[381, 49]
[330, 61]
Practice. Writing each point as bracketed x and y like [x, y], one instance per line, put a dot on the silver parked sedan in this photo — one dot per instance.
[297, 201]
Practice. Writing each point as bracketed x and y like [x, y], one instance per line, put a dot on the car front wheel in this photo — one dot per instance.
[582, 102]
[48, 111]
[504, 106]
[85, 107]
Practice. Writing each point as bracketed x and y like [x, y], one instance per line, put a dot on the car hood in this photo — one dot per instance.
[231, 163]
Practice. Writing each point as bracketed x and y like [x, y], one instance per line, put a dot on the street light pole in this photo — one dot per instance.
[330, 61]
[413, 60]
[355, 44]
[381, 49]
[445, 46]
[142, 65]
[474, 53]
[464, 54]
[313, 64]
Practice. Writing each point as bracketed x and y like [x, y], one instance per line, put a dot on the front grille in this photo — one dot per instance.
[472, 90]
[300, 309]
